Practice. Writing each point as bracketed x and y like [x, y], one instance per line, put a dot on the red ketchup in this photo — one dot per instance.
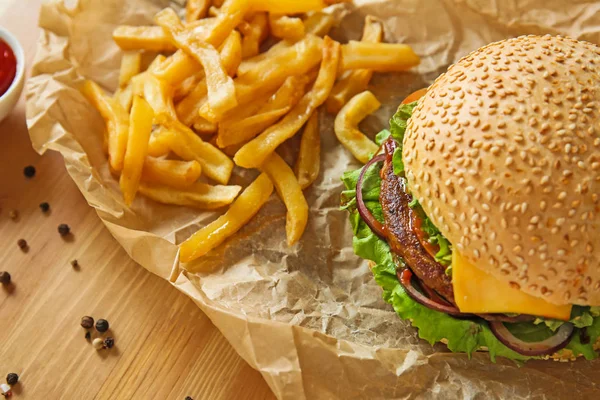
[8, 67]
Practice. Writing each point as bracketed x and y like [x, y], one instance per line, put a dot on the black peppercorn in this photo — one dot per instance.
[22, 243]
[29, 171]
[188, 398]
[102, 325]
[12, 378]
[109, 342]
[4, 277]
[64, 229]
[74, 263]
[87, 322]
[44, 207]
[88, 335]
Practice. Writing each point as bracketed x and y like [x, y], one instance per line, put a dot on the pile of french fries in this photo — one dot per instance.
[210, 99]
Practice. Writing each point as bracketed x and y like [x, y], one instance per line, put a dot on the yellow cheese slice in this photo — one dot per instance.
[478, 292]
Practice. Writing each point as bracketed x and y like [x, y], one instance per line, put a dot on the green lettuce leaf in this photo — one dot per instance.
[400, 119]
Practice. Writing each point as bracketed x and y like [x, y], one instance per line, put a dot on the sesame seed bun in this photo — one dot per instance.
[503, 153]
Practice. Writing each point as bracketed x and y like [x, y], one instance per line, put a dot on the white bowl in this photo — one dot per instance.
[10, 98]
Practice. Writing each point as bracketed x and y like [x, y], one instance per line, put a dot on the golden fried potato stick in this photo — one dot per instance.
[204, 127]
[124, 96]
[287, 6]
[130, 66]
[346, 126]
[230, 15]
[196, 9]
[282, 53]
[140, 127]
[256, 32]
[240, 212]
[355, 81]
[174, 173]
[177, 67]
[248, 127]
[319, 23]
[221, 91]
[240, 130]
[308, 163]
[230, 52]
[187, 145]
[290, 192]
[198, 195]
[255, 152]
[268, 76]
[380, 57]
[159, 94]
[158, 145]
[218, 3]
[284, 27]
[149, 38]
[116, 119]
[181, 90]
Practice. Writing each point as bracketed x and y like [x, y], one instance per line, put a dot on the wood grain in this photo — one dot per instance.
[165, 347]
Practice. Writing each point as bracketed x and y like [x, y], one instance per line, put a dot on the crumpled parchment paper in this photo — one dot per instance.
[310, 317]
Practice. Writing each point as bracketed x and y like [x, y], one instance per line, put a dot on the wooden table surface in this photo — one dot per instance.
[165, 347]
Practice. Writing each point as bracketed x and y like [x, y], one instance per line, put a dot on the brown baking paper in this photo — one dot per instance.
[310, 318]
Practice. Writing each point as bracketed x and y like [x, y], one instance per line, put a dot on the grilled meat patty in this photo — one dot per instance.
[401, 237]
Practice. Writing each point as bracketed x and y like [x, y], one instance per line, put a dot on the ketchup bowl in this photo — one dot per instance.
[12, 72]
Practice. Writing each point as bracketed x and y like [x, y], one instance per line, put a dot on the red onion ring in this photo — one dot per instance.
[506, 318]
[405, 278]
[364, 212]
[545, 347]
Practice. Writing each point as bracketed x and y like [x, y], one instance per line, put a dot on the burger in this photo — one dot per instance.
[481, 212]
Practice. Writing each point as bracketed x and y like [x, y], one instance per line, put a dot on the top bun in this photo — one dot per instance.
[503, 153]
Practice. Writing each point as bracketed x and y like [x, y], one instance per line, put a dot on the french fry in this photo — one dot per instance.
[254, 35]
[178, 67]
[124, 96]
[346, 126]
[255, 152]
[240, 212]
[159, 94]
[187, 145]
[268, 76]
[319, 23]
[196, 9]
[158, 145]
[355, 81]
[140, 127]
[173, 173]
[230, 52]
[239, 130]
[284, 27]
[181, 90]
[246, 128]
[218, 3]
[198, 195]
[117, 123]
[309, 157]
[187, 108]
[149, 38]
[130, 66]
[230, 15]
[221, 90]
[380, 57]
[287, 6]
[290, 192]
[282, 53]
[204, 127]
